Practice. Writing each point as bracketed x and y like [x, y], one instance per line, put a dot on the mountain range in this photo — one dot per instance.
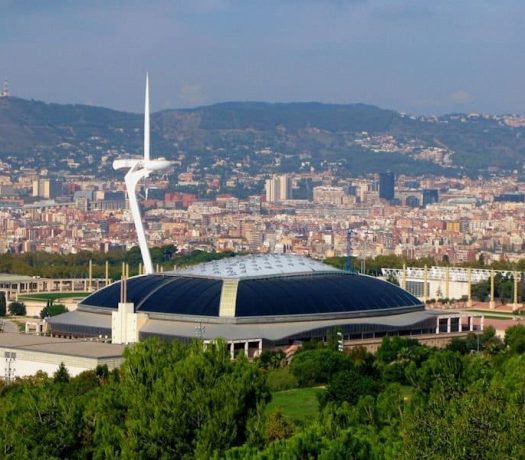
[262, 137]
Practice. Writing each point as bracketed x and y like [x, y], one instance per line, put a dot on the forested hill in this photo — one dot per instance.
[351, 139]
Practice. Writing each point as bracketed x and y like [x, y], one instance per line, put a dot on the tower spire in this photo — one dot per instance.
[138, 170]
[146, 121]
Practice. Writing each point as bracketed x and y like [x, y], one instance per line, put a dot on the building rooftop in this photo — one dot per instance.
[268, 286]
[256, 266]
[9, 278]
[53, 345]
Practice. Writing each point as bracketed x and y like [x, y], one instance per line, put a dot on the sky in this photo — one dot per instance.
[415, 56]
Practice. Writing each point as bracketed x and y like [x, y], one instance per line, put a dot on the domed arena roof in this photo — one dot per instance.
[255, 288]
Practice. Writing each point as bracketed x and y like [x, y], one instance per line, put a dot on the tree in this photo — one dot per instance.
[61, 375]
[392, 346]
[3, 309]
[17, 308]
[348, 385]
[199, 403]
[392, 280]
[314, 367]
[515, 338]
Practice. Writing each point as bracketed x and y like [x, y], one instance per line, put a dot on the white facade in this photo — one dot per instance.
[22, 355]
[126, 324]
[278, 188]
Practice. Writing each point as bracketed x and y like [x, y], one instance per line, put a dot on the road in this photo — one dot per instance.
[9, 326]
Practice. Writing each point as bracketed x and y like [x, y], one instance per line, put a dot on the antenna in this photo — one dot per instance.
[123, 289]
[146, 121]
[5, 89]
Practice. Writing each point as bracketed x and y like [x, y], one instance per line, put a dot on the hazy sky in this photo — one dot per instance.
[419, 56]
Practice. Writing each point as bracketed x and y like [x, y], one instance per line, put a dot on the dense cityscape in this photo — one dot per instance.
[453, 220]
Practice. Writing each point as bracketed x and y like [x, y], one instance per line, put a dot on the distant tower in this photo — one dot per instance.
[386, 185]
[5, 89]
[140, 169]
[278, 188]
[348, 261]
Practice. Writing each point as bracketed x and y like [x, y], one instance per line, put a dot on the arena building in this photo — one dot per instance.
[253, 302]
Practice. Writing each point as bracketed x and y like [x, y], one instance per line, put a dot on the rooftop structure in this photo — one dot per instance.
[24, 354]
[256, 266]
[271, 299]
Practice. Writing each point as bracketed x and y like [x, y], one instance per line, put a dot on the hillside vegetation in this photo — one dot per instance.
[351, 138]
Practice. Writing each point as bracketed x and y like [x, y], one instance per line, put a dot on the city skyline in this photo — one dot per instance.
[409, 56]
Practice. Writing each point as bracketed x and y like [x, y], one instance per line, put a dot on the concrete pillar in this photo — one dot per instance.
[425, 284]
[447, 282]
[90, 275]
[449, 324]
[471, 323]
[460, 325]
[404, 279]
[492, 304]
[437, 325]
[482, 322]
[60, 286]
[232, 350]
[107, 272]
[515, 304]
[246, 348]
[469, 295]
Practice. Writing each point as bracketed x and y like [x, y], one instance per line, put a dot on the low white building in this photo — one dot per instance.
[22, 355]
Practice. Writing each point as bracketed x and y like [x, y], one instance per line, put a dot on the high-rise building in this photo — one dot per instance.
[430, 195]
[278, 188]
[46, 188]
[386, 185]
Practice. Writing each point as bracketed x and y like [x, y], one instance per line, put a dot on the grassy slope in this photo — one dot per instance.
[300, 404]
[44, 296]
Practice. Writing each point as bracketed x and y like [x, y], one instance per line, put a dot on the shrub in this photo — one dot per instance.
[17, 308]
[52, 309]
[278, 426]
[281, 379]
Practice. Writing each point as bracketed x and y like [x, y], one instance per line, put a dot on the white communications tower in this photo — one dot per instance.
[140, 169]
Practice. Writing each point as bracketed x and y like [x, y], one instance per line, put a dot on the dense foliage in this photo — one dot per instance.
[172, 401]
[168, 401]
[77, 265]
